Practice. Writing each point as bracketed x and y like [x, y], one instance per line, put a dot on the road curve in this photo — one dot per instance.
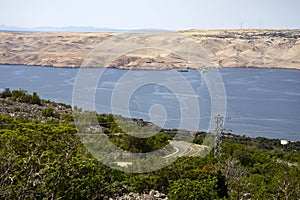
[184, 148]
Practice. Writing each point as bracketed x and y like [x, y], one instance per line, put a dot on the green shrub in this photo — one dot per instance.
[48, 112]
[35, 99]
[5, 93]
[67, 117]
[17, 109]
[16, 94]
[193, 189]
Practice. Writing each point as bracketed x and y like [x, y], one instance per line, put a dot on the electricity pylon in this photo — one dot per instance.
[219, 122]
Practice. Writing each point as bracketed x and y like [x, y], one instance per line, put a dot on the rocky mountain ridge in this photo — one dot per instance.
[225, 48]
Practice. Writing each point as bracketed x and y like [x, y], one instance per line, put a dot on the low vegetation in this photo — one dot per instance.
[47, 160]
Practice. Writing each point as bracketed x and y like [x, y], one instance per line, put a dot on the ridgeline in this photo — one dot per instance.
[225, 48]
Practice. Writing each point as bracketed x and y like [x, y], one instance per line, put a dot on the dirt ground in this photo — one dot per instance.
[223, 48]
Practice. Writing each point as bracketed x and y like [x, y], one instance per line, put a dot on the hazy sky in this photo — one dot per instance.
[164, 14]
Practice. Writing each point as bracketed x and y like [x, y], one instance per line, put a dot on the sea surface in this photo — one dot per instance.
[259, 102]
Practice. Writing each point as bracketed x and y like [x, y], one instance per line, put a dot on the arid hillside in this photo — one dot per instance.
[225, 48]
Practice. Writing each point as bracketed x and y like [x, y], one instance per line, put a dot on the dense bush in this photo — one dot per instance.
[45, 161]
[39, 160]
[6, 93]
[48, 112]
[205, 189]
[49, 161]
[21, 96]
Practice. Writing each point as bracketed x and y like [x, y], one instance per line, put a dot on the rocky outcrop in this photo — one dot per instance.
[35, 112]
[152, 195]
[225, 48]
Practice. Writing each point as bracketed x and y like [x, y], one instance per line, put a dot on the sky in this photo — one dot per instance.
[160, 14]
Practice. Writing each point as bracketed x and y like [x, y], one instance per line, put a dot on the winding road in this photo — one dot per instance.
[184, 148]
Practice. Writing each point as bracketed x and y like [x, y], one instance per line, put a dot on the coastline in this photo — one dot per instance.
[138, 69]
[32, 111]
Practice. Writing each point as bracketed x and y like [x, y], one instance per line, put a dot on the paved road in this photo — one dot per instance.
[184, 148]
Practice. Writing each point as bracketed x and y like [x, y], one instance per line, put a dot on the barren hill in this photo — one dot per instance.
[225, 48]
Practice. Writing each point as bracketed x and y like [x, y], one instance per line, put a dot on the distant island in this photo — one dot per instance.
[226, 48]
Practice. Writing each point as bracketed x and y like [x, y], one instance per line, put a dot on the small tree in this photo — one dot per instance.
[35, 99]
[6, 93]
[25, 98]
[194, 189]
[18, 93]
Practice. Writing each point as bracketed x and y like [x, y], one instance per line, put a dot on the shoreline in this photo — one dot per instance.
[67, 109]
[138, 69]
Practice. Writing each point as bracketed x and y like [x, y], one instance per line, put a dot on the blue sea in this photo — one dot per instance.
[259, 102]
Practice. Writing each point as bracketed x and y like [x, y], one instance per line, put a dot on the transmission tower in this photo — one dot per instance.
[219, 121]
